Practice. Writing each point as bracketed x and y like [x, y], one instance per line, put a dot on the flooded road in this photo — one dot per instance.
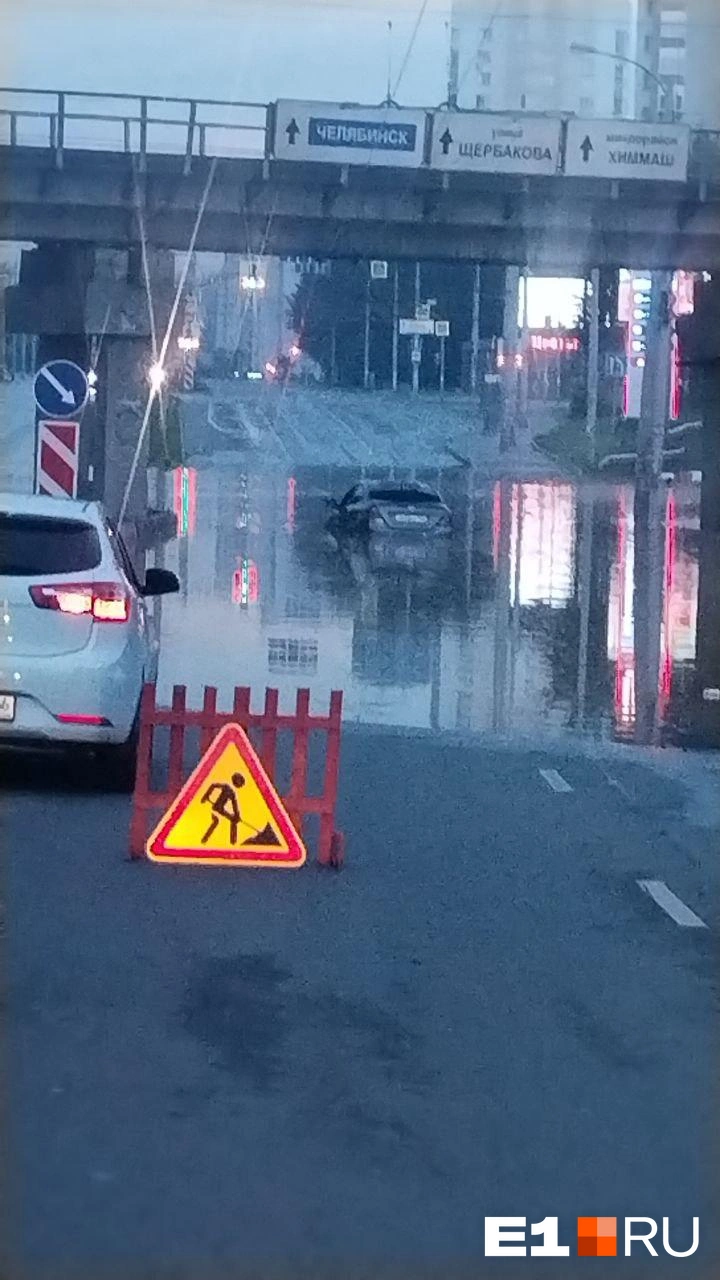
[521, 950]
[524, 624]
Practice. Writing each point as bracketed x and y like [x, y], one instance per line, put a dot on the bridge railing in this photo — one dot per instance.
[147, 124]
[142, 125]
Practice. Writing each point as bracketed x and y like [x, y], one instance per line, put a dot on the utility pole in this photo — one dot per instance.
[593, 355]
[475, 330]
[366, 347]
[654, 413]
[587, 522]
[524, 347]
[510, 348]
[648, 507]
[395, 323]
[416, 353]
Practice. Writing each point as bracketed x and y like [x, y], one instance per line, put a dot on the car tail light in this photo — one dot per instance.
[104, 601]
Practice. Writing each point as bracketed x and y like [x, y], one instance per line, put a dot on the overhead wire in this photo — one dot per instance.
[411, 46]
[153, 392]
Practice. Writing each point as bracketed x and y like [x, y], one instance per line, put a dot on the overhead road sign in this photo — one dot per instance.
[60, 389]
[228, 812]
[485, 142]
[409, 328]
[627, 149]
[343, 134]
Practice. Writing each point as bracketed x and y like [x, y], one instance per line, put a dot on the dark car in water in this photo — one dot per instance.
[397, 525]
[389, 508]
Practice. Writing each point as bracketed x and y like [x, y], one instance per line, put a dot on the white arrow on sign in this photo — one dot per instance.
[67, 397]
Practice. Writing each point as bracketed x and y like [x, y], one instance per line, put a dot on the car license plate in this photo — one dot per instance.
[410, 519]
[7, 706]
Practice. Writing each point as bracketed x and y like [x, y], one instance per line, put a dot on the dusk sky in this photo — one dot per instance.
[252, 50]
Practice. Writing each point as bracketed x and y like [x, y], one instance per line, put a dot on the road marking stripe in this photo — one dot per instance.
[671, 904]
[555, 780]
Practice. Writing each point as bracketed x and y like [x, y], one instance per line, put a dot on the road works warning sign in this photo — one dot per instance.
[627, 149]
[228, 812]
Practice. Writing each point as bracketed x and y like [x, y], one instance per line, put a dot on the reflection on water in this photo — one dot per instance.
[526, 623]
[677, 623]
[542, 544]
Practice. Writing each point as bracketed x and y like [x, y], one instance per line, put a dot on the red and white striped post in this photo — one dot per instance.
[58, 455]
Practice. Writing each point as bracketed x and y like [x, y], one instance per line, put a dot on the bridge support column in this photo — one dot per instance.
[90, 305]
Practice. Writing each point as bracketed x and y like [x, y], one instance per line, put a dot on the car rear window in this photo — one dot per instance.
[32, 545]
[414, 497]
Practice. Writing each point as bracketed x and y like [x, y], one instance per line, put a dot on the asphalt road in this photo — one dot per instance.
[248, 1074]
[245, 1073]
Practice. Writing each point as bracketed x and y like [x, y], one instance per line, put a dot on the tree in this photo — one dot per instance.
[328, 313]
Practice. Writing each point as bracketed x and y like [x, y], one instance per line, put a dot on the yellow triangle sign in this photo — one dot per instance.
[228, 813]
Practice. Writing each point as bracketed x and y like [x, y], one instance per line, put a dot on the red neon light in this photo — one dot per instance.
[624, 663]
[80, 719]
[554, 343]
[665, 678]
[246, 583]
[185, 499]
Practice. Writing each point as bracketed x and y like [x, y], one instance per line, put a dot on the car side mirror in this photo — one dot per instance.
[160, 582]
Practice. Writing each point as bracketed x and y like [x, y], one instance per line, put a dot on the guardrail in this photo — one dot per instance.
[148, 124]
[139, 125]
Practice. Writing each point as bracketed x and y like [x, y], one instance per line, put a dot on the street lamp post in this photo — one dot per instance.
[576, 47]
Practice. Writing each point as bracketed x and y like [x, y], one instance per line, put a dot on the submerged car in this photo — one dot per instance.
[389, 507]
[397, 526]
[75, 647]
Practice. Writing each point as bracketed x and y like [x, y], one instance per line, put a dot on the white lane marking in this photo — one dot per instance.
[554, 780]
[671, 904]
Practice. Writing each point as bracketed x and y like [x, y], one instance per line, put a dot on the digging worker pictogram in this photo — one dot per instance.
[223, 800]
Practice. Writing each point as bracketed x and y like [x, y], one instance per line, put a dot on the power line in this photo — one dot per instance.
[411, 46]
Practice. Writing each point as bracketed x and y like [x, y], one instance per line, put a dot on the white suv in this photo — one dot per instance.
[74, 642]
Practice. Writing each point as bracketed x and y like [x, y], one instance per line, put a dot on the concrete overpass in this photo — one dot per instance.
[101, 195]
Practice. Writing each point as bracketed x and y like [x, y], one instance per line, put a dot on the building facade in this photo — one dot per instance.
[517, 55]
